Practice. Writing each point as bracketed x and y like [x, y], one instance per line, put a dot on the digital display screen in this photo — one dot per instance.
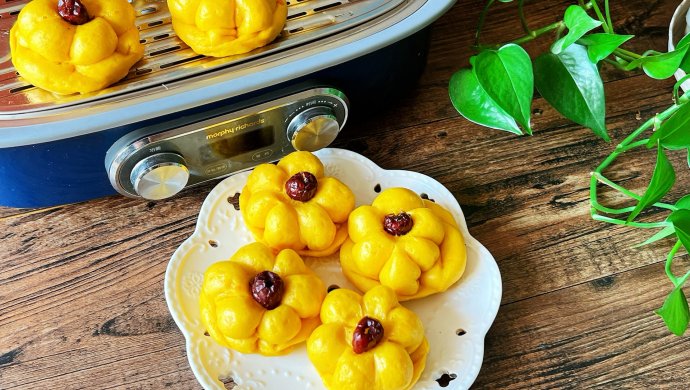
[230, 146]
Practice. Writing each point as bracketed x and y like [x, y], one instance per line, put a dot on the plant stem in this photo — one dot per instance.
[626, 53]
[607, 10]
[539, 32]
[680, 82]
[614, 64]
[669, 263]
[649, 123]
[598, 177]
[683, 279]
[633, 145]
[624, 56]
[559, 32]
[530, 34]
[608, 210]
[625, 191]
[523, 19]
[643, 225]
[597, 11]
[482, 19]
[624, 144]
[602, 179]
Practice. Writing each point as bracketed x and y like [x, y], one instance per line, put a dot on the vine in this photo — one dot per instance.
[497, 89]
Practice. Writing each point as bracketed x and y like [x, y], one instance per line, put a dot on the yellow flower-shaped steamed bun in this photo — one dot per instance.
[53, 54]
[257, 302]
[367, 342]
[402, 241]
[293, 205]
[220, 28]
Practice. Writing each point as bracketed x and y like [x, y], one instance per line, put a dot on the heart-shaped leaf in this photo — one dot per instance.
[507, 77]
[662, 180]
[675, 312]
[660, 66]
[673, 133]
[472, 102]
[683, 41]
[685, 64]
[660, 235]
[572, 85]
[681, 222]
[684, 202]
[600, 46]
[578, 23]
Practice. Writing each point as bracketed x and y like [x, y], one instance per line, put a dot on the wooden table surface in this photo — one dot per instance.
[81, 286]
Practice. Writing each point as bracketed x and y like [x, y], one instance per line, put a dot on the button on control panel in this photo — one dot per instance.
[262, 155]
[159, 176]
[313, 129]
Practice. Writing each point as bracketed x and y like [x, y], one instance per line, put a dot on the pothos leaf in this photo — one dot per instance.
[507, 77]
[472, 102]
[660, 66]
[662, 180]
[660, 235]
[684, 202]
[600, 46]
[572, 85]
[675, 312]
[578, 23]
[681, 222]
[685, 64]
[684, 41]
[673, 133]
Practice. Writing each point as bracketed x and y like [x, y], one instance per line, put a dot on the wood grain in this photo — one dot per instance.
[7, 212]
[81, 286]
[601, 333]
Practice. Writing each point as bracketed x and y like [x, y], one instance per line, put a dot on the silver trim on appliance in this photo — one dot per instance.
[126, 155]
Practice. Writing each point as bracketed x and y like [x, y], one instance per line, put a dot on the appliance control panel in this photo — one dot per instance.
[157, 162]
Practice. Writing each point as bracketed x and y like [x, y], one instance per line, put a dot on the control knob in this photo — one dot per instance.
[159, 176]
[313, 129]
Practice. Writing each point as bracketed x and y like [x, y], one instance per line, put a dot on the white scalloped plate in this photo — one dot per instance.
[470, 305]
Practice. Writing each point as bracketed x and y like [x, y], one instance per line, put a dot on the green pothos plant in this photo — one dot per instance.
[497, 91]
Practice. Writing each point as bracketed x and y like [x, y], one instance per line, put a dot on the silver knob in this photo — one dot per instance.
[313, 129]
[159, 176]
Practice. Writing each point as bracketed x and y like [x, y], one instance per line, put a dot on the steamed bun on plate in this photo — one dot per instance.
[404, 242]
[261, 301]
[293, 204]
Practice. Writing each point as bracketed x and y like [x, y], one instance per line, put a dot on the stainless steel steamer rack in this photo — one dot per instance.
[48, 141]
